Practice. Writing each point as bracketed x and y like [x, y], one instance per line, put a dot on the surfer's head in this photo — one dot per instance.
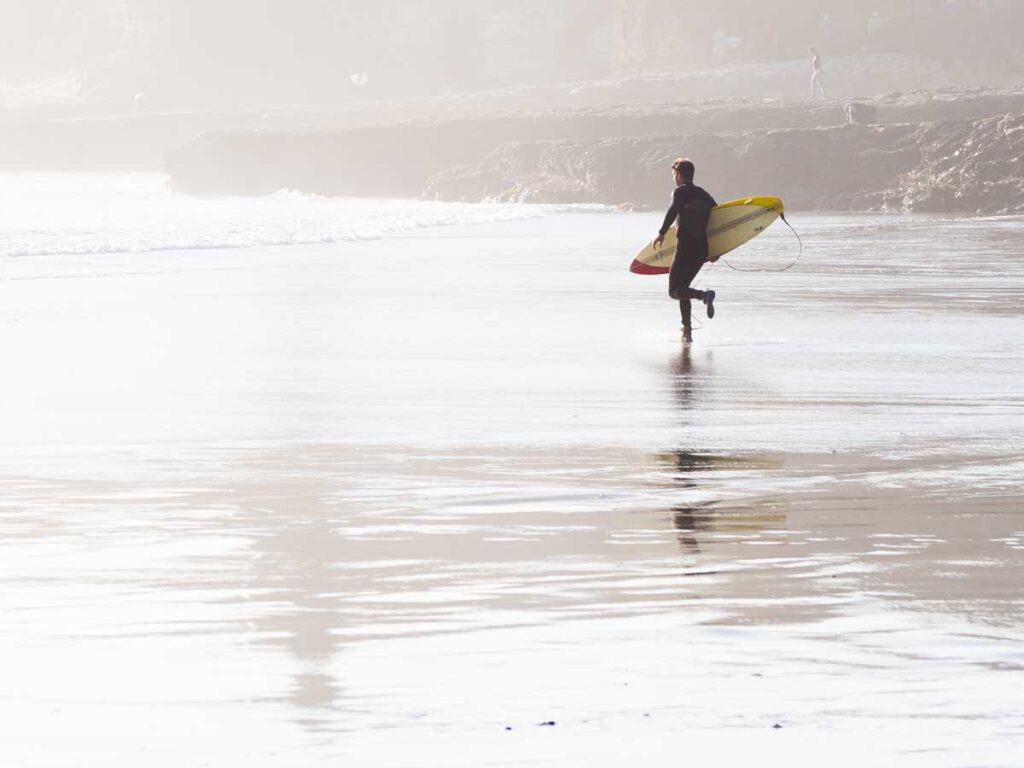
[683, 169]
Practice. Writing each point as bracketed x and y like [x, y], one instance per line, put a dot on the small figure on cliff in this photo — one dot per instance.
[816, 86]
[691, 207]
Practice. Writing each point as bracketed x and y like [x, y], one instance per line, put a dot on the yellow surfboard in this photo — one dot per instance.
[730, 226]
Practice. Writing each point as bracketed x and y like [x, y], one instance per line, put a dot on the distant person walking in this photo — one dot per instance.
[690, 209]
[816, 87]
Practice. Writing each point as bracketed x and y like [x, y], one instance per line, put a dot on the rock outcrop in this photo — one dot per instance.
[980, 170]
[970, 167]
[939, 152]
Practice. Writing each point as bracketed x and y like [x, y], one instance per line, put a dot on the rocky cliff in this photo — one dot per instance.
[965, 166]
[943, 152]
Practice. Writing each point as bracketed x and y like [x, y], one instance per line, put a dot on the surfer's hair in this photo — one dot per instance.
[684, 167]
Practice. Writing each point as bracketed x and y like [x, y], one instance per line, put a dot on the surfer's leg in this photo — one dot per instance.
[705, 297]
[684, 315]
[687, 269]
[685, 312]
[676, 275]
[684, 269]
[689, 266]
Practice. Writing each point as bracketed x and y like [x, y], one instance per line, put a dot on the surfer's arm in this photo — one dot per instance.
[670, 216]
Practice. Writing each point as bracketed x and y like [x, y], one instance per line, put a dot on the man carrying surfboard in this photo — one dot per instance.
[691, 207]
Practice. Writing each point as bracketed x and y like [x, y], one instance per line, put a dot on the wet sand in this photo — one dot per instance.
[402, 502]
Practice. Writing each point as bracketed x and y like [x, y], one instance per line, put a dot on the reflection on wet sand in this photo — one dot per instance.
[685, 378]
[690, 376]
[688, 521]
[467, 547]
[688, 468]
[696, 524]
[296, 570]
[343, 545]
[315, 554]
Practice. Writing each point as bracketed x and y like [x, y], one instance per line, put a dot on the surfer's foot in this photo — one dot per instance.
[709, 302]
[687, 334]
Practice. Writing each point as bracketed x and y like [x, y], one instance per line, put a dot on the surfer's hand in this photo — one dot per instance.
[656, 243]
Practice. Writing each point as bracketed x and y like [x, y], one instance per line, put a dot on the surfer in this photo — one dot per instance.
[691, 207]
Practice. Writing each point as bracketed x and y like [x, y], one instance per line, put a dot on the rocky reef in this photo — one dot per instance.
[965, 166]
[978, 170]
[945, 151]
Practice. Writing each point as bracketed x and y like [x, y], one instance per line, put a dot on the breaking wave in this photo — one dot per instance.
[50, 214]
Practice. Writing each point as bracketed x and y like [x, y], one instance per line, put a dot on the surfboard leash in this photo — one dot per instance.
[783, 269]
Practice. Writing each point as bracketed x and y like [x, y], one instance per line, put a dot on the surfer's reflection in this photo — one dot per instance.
[685, 519]
[690, 518]
[689, 377]
[687, 463]
[688, 521]
[696, 523]
[297, 570]
[682, 378]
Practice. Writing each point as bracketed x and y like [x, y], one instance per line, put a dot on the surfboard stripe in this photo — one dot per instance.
[646, 269]
[738, 222]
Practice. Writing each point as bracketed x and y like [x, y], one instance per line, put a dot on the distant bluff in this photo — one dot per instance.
[963, 167]
[937, 152]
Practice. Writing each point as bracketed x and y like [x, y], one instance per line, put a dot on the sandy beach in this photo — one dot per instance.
[458, 496]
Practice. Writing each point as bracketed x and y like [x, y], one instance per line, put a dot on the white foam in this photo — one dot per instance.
[51, 214]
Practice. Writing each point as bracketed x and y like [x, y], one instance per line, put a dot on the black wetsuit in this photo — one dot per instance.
[691, 207]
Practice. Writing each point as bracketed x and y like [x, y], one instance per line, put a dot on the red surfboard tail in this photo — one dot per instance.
[639, 268]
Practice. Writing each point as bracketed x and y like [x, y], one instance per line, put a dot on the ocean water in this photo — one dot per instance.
[65, 214]
[449, 490]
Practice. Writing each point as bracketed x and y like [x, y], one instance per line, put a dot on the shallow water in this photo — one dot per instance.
[386, 500]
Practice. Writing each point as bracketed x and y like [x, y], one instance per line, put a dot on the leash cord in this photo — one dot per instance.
[798, 255]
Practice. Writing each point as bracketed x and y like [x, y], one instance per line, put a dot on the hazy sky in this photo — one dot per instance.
[251, 52]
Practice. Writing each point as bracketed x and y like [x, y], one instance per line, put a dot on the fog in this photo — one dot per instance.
[227, 54]
[425, 99]
[335, 428]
